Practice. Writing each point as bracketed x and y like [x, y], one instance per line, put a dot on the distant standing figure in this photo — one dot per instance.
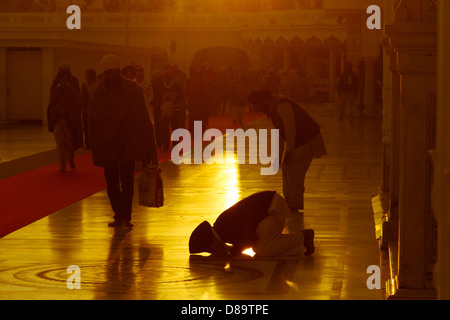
[146, 87]
[73, 80]
[237, 95]
[121, 133]
[172, 111]
[87, 91]
[64, 118]
[199, 99]
[348, 91]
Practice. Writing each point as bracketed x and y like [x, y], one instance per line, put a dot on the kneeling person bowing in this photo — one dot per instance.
[255, 222]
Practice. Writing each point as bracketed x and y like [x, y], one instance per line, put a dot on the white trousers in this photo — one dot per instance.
[271, 242]
[294, 173]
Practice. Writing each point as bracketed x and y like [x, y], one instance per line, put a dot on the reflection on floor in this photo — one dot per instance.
[151, 261]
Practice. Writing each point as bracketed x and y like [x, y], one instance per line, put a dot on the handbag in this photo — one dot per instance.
[150, 184]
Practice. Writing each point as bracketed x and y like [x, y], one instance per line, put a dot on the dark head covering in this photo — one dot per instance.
[61, 74]
[258, 96]
[201, 238]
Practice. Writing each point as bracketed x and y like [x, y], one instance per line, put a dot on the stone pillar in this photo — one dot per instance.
[413, 38]
[333, 73]
[48, 74]
[369, 86]
[3, 89]
[391, 137]
[441, 157]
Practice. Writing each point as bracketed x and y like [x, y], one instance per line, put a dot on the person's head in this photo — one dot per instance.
[129, 72]
[63, 78]
[168, 75]
[261, 99]
[202, 240]
[64, 66]
[111, 66]
[90, 76]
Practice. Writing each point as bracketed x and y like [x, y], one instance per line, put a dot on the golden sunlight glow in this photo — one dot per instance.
[293, 285]
[249, 252]
[231, 183]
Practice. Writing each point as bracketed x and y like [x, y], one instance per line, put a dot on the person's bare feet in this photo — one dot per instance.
[308, 241]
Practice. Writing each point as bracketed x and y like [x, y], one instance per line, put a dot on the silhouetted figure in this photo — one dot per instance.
[157, 85]
[171, 116]
[199, 99]
[237, 98]
[121, 133]
[146, 87]
[87, 91]
[348, 91]
[73, 80]
[64, 118]
[302, 138]
[255, 222]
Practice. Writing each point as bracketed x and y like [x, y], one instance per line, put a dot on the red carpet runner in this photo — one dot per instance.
[32, 195]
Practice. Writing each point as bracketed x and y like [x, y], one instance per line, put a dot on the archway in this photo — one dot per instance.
[218, 57]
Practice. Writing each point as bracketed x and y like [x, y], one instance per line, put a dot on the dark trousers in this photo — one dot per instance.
[168, 125]
[85, 129]
[120, 188]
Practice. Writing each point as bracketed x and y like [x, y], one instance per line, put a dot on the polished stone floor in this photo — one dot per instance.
[152, 261]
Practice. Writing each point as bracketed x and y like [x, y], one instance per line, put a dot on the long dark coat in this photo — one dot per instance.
[120, 127]
[65, 102]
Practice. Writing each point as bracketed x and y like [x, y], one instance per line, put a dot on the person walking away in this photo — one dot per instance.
[348, 91]
[199, 99]
[172, 108]
[121, 133]
[158, 88]
[64, 119]
[238, 93]
[87, 91]
[147, 89]
[301, 137]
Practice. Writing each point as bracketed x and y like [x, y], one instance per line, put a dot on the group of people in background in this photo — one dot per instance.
[172, 99]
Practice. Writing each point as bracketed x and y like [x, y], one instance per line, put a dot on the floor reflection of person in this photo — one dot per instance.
[255, 222]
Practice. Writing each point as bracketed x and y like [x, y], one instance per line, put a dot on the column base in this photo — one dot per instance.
[393, 291]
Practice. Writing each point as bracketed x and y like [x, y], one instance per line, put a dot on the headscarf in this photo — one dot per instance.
[201, 238]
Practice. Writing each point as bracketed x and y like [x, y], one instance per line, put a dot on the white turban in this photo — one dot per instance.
[109, 62]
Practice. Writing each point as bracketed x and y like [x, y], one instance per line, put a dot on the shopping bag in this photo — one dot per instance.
[151, 193]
